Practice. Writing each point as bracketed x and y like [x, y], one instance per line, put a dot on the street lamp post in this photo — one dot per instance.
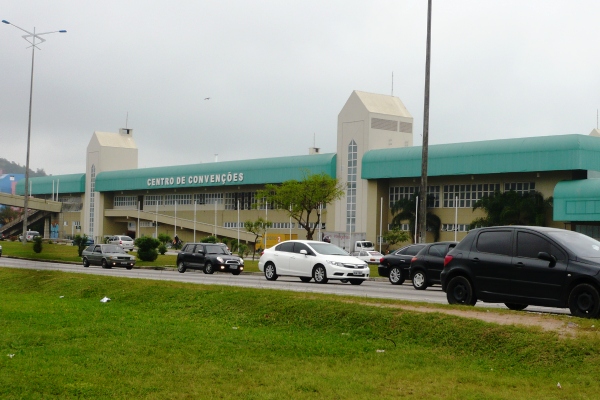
[30, 38]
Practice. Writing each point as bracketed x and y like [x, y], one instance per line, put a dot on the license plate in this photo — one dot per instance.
[233, 267]
[357, 273]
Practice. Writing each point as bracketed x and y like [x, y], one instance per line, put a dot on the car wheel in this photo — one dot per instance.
[419, 280]
[344, 280]
[86, 263]
[181, 267]
[356, 281]
[236, 272]
[129, 267]
[270, 272]
[396, 277]
[208, 268]
[105, 264]
[320, 274]
[584, 301]
[515, 306]
[460, 291]
[305, 279]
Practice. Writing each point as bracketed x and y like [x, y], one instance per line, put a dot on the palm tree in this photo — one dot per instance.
[404, 210]
[512, 208]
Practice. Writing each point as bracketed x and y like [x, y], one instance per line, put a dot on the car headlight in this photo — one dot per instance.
[241, 261]
[113, 258]
[336, 263]
[220, 259]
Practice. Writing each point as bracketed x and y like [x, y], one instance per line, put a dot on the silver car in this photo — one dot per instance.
[124, 241]
[108, 256]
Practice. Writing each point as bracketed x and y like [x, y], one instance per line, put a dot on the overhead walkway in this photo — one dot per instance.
[14, 200]
[181, 223]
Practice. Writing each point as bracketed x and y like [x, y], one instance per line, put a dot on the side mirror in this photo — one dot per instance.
[542, 255]
[303, 252]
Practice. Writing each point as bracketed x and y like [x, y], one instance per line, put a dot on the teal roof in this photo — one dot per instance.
[72, 183]
[577, 200]
[543, 153]
[245, 172]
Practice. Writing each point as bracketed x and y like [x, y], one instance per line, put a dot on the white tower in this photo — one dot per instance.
[367, 121]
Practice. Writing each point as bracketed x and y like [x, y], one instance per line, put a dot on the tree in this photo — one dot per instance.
[404, 210]
[394, 236]
[301, 198]
[8, 214]
[512, 208]
[258, 229]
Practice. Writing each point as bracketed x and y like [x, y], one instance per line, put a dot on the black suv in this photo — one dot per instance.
[525, 265]
[426, 266]
[209, 257]
[395, 266]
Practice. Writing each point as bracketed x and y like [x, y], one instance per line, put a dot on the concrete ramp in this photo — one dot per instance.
[183, 223]
[33, 203]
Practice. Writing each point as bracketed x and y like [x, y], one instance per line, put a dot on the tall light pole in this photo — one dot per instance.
[422, 214]
[30, 38]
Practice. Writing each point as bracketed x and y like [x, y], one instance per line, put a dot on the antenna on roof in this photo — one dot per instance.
[126, 119]
[392, 83]
[314, 140]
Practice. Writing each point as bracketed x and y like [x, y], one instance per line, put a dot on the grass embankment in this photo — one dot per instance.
[164, 340]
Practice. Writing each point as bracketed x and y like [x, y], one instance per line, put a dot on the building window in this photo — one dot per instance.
[282, 225]
[125, 201]
[384, 124]
[208, 198]
[468, 194]
[589, 230]
[407, 192]
[245, 199]
[92, 199]
[520, 187]
[402, 227]
[351, 189]
[181, 199]
[450, 228]
[153, 200]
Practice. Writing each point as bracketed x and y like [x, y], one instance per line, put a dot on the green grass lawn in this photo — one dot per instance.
[169, 340]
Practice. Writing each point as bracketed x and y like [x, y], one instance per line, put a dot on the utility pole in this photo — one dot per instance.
[422, 217]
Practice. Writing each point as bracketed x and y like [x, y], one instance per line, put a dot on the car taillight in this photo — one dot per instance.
[413, 259]
[381, 260]
[262, 252]
[447, 259]
[120, 242]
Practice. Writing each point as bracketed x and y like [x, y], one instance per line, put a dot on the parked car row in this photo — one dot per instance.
[515, 265]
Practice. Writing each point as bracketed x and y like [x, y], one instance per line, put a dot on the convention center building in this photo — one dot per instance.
[375, 160]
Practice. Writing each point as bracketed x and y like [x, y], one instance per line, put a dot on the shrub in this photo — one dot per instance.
[37, 244]
[162, 249]
[80, 241]
[243, 250]
[209, 239]
[164, 238]
[147, 248]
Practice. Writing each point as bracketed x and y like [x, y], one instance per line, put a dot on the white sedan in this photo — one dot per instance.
[369, 256]
[309, 259]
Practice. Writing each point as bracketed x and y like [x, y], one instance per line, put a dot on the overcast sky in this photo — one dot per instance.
[278, 73]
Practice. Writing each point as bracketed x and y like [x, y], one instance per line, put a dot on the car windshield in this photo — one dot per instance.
[112, 248]
[216, 250]
[583, 246]
[126, 239]
[328, 249]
